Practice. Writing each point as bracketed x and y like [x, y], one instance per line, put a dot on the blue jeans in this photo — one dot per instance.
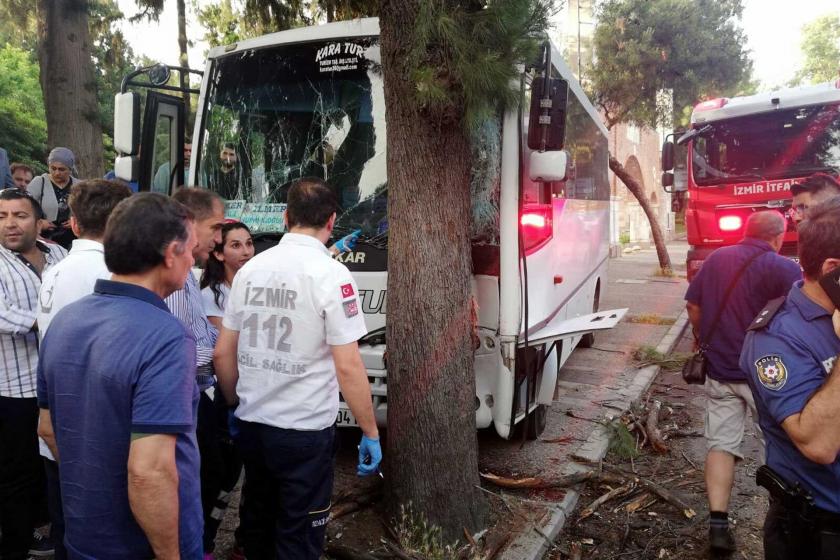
[290, 479]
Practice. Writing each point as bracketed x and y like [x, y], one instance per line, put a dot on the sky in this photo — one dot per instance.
[772, 27]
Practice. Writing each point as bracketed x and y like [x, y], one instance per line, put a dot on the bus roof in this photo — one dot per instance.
[364, 27]
[719, 109]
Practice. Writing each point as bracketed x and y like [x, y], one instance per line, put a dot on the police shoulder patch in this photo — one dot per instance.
[766, 315]
[772, 372]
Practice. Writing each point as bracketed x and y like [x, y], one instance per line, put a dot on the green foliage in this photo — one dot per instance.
[224, 23]
[23, 128]
[647, 356]
[464, 54]
[622, 442]
[420, 539]
[18, 25]
[820, 47]
[22, 118]
[113, 58]
[696, 48]
[282, 14]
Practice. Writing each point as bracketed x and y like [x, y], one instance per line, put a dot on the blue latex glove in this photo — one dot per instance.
[370, 455]
[348, 242]
[233, 424]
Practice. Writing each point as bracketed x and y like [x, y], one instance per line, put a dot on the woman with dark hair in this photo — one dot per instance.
[230, 255]
[227, 258]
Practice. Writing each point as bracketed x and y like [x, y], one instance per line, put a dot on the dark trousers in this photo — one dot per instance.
[786, 539]
[21, 475]
[290, 477]
[220, 464]
[56, 509]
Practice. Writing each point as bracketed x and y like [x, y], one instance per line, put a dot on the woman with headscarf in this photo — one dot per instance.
[52, 190]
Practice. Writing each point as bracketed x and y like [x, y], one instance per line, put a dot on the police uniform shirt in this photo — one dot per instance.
[786, 362]
[290, 304]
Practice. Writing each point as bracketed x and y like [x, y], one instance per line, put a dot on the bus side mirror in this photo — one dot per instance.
[667, 181]
[668, 158]
[548, 166]
[127, 168]
[127, 123]
[547, 115]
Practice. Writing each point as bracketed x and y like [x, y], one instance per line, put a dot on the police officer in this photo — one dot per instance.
[790, 358]
[288, 343]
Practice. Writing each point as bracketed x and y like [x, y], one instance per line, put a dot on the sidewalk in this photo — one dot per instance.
[594, 384]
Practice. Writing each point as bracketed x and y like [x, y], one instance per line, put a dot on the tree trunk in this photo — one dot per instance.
[184, 60]
[432, 455]
[634, 187]
[68, 83]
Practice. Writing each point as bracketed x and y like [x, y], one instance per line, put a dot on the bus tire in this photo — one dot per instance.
[588, 340]
[536, 422]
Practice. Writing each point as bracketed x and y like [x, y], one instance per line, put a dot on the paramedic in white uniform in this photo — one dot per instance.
[288, 343]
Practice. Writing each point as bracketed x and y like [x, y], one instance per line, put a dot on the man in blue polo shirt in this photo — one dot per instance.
[753, 273]
[116, 382]
[790, 360]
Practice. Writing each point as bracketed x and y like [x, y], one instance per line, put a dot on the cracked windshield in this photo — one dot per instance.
[314, 109]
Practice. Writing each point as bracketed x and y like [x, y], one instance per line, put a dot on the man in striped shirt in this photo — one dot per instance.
[188, 305]
[23, 258]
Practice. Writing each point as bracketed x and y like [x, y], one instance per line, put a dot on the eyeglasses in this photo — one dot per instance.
[17, 194]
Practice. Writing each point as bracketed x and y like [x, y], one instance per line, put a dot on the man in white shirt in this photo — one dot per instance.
[91, 202]
[288, 343]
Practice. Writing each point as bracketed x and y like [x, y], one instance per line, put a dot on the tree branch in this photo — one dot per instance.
[638, 191]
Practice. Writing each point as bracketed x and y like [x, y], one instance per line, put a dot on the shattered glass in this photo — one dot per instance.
[280, 113]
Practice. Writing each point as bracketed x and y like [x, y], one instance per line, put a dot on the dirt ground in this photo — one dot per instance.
[360, 525]
[630, 527]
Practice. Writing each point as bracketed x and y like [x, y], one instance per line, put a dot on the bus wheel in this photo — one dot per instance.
[536, 422]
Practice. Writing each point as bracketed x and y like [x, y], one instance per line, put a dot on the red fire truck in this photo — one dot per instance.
[741, 155]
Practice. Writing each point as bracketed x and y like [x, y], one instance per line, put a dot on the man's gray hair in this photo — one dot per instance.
[201, 202]
[765, 225]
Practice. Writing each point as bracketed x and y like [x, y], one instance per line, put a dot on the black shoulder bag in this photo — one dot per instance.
[695, 368]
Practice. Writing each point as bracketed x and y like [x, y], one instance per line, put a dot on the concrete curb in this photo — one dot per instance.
[534, 543]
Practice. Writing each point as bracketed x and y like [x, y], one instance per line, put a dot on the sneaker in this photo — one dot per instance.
[721, 539]
[41, 546]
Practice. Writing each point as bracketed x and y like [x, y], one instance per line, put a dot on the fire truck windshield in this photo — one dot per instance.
[775, 145]
[276, 114]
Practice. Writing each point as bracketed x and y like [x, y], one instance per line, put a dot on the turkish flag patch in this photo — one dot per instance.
[351, 308]
[347, 291]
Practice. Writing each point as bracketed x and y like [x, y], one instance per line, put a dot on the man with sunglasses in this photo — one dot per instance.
[23, 259]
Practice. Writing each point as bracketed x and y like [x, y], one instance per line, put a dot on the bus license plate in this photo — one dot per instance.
[345, 418]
